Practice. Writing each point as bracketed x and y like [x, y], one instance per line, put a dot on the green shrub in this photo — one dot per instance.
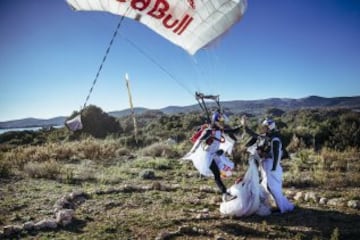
[98, 123]
[160, 150]
[5, 169]
[48, 170]
[158, 163]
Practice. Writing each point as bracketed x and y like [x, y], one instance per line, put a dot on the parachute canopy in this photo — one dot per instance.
[190, 24]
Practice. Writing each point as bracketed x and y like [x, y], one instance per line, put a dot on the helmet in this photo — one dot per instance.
[269, 123]
[216, 109]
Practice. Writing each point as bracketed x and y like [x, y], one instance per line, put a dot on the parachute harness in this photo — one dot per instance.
[209, 135]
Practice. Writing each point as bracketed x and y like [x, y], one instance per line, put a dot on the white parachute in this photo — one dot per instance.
[202, 154]
[251, 196]
[75, 123]
[190, 24]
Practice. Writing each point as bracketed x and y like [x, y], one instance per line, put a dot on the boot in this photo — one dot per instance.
[227, 197]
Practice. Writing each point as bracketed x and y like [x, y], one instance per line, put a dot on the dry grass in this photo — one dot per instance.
[147, 214]
[347, 160]
[85, 149]
[328, 168]
[48, 169]
[160, 150]
[5, 168]
[307, 168]
[92, 164]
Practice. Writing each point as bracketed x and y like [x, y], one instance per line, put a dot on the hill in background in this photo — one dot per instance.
[255, 107]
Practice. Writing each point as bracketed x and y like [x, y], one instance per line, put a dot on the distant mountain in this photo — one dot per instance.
[126, 112]
[260, 106]
[33, 122]
[286, 104]
[254, 107]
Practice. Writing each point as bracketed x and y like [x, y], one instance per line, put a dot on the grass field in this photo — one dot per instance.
[133, 196]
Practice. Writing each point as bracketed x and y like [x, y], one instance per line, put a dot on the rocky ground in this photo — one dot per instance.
[161, 199]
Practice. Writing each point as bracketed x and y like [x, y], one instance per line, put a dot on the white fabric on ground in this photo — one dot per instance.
[251, 198]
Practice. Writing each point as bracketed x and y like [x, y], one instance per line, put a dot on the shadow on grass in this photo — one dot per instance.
[238, 230]
[302, 223]
[311, 223]
[76, 226]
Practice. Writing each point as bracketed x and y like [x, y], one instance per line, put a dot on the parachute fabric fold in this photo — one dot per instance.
[75, 123]
[202, 155]
[190, 24]
[228, 144]
[251, 196]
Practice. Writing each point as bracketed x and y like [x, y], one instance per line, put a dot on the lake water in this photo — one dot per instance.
[24, 129]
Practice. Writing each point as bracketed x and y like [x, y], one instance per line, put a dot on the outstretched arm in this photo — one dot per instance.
[251, 132]
[246, 129]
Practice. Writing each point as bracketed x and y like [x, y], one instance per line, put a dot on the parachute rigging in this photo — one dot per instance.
[190, 24]
[200, 98]
[75, 123]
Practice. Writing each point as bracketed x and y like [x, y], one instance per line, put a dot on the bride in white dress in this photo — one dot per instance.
[252, 198]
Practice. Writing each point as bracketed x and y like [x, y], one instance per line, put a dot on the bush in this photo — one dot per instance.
[5, 169]
[339, 160]
[147, 174]
[49, 169]
[98, 123]
[122, 152]
[160, 150]
[158, 164]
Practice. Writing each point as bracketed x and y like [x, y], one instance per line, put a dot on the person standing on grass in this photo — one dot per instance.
[207, 156]
[217, 126]
[270, 151]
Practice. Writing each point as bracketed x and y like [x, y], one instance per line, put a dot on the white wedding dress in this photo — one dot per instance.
[251, 196]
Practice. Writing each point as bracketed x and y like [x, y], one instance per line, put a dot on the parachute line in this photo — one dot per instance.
[103, 60]
[151, 59]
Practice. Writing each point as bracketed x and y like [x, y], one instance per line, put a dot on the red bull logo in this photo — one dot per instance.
[161, 10]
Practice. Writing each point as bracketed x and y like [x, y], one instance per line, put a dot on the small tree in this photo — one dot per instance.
[98, 123]
[274, 112]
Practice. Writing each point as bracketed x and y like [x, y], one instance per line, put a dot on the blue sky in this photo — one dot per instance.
[49, 56]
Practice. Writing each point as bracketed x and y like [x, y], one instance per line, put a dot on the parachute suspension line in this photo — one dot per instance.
[158, 65]
[75, 123]
[203, 107]
[103, 60]
[193, 62]
[127, 82]
[200, 97]
[210, 69]
[205, 70]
